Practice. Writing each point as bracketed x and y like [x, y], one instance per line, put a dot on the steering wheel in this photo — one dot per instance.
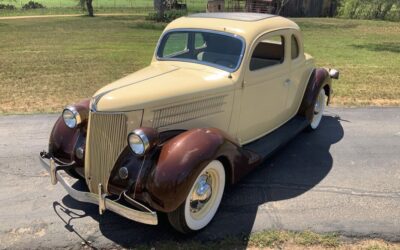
[225, 62]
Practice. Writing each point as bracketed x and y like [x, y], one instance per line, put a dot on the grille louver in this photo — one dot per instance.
[188, 111]
[105, 142]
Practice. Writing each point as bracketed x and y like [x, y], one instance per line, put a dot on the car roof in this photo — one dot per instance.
[239, 16]
[247, 25]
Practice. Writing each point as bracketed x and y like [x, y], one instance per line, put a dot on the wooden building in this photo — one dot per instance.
[310, 8]
[294, 8]
[216, 6]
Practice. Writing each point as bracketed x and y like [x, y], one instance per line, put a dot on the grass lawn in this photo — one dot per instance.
[100, 6]
[71, 10]
[102, 3]
[279, 240]
[50, 62]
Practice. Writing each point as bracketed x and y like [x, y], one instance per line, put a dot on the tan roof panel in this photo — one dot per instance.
[238, 16]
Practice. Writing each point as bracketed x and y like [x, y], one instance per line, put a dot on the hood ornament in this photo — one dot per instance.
[93, 103]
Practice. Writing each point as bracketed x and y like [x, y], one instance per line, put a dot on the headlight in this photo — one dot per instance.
[142, 140]
[71, 117]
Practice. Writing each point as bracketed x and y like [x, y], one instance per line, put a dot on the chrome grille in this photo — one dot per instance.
[105, 141]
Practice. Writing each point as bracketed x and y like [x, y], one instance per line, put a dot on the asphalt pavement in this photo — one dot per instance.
[343, 178]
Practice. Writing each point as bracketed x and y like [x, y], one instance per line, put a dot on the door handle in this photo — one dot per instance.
[287, 82]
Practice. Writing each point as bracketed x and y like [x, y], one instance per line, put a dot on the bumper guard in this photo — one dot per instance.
[146, 217]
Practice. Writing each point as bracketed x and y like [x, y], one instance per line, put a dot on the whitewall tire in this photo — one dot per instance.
[319, 109]
[203, 200]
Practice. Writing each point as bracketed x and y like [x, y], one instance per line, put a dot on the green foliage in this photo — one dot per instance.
[370, 9]
[82, 4]
[167, 17]
[7, 7]
[33, 5]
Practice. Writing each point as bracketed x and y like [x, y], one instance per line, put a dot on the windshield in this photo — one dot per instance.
[206, 47]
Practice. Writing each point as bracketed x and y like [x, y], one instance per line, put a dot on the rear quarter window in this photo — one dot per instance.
[295, 47]
[268, 52]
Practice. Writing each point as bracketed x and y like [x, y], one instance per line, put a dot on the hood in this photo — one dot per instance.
[161, 84]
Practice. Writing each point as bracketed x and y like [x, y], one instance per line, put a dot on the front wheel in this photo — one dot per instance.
[319, 108]
[203, 200]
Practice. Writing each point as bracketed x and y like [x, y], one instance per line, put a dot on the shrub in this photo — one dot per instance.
[370, 9]
[7, 7]
[33, 5]
[168, 16]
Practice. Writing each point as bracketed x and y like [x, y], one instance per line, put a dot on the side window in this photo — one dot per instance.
[199, 41]
[268, 52]
[295, 47]
[175, 44]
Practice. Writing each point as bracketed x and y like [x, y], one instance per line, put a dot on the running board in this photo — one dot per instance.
[267, 145]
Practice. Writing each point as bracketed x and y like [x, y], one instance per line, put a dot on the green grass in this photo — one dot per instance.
[50, 62]
[73, 3]
[100, 6]
[70, 10]
[274, 239]
[367, 53]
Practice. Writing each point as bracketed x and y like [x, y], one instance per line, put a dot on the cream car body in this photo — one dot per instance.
[167, 138]
[248, 104]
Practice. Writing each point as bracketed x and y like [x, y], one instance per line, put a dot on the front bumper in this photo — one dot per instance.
[146, 217]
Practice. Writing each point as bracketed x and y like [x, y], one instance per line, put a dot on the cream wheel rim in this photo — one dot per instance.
[205, 196]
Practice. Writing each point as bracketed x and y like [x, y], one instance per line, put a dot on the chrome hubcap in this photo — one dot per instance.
[201, 193]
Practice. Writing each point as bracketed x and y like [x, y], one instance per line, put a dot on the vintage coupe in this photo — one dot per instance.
[223, 92]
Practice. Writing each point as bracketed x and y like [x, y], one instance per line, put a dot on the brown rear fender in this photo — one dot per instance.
[64, 140]
[183, 158]
[319, 79]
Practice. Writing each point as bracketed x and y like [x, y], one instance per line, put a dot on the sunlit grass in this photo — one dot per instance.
[367, 53]
[278, 239]
[48, 63]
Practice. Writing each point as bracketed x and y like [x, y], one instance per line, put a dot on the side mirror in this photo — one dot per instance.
[334, 74]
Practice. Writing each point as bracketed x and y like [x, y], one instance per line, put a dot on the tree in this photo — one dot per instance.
[369, 9]
[160, 6]
[280, 5]
[88, 5]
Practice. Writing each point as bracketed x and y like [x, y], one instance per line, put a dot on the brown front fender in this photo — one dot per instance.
[64, 140]
[183, 158]
[319, 79]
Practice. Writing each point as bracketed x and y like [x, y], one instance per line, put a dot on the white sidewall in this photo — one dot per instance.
[197, 224]
[317, 118]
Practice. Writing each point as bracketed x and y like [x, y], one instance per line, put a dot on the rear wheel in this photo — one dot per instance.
[319, 108]
[203, 200]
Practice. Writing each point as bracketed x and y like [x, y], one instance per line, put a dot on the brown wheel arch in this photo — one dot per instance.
[318, 80]
[182, 159]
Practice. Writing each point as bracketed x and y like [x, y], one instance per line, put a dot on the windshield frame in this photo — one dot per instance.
[231, 70]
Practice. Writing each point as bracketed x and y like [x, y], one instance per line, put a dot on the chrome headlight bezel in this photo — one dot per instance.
[71, 117]
[138, 142]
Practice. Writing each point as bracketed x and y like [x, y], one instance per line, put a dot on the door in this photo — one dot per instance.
[299, 73]
[265, 89]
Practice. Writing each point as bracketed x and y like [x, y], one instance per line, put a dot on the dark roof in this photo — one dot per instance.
[239, 16]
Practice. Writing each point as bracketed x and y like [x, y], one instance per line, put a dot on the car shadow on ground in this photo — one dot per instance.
[292, 171]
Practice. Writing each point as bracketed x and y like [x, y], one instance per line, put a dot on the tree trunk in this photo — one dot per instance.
[159, 6]
[89, 7]
[281, 4]
[386, 10]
